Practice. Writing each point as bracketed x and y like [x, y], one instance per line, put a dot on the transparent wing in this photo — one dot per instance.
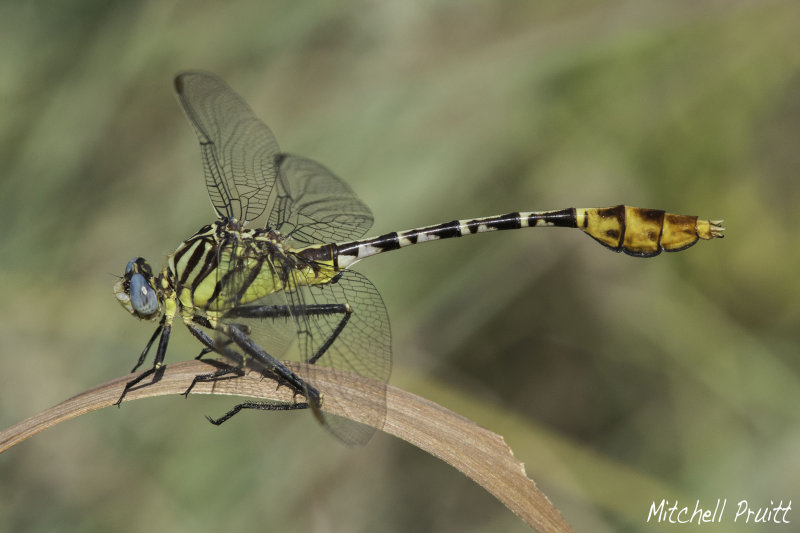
[356, 345]
[313, 206]
[362, 349]
[239, 151]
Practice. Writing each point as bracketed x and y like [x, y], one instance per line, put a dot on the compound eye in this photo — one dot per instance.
[143, 296]
[130, 265]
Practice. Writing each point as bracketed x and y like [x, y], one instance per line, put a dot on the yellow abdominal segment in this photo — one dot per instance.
[644, 232]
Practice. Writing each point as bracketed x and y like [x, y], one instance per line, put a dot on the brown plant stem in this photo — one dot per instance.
[477, 452]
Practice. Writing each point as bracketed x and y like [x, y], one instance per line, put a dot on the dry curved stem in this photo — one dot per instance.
[477, 452]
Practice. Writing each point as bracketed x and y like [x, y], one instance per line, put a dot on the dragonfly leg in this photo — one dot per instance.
[285, 311]
[274, 369]
[161, 351]
[282, 311]
[257, 405]
[339, 328]
[205, 351]
[239, 335]
[208, 343]
[272, 365]
[224, 370]
[149, 344]
[203, 337]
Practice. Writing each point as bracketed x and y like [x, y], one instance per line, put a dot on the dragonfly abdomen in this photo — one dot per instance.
[633, 230]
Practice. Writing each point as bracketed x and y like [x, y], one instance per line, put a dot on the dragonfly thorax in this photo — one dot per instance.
[224, 265]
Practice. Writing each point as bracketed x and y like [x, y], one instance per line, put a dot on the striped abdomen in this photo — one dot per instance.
[633, 230]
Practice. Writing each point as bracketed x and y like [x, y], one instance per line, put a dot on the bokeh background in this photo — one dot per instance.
[618, 381]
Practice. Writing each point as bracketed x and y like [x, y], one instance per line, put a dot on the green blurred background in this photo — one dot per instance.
[618, 381]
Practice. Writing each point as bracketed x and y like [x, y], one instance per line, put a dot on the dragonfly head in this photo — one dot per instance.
[136, 290]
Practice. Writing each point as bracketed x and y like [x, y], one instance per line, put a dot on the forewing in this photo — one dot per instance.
[239, 151]
[314, 206]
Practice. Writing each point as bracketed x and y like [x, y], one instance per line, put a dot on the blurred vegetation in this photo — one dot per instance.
[618, 381]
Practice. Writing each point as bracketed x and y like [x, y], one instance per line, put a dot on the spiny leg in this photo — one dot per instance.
[203, 352]
[209, 345]
[224, 370]
[149, 344]
[283, 311]
[277, 371]
[270, 364]
[286, 311]
[201, 335]
[339, 328]
[206, 351]
[259, 406]
[161, 351]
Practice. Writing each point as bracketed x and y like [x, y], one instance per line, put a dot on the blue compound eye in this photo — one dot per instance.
[143, 296]
[130, 265]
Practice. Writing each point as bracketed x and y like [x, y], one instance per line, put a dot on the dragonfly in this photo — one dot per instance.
[271, 275]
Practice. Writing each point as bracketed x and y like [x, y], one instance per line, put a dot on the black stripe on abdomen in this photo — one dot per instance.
[503, 222]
